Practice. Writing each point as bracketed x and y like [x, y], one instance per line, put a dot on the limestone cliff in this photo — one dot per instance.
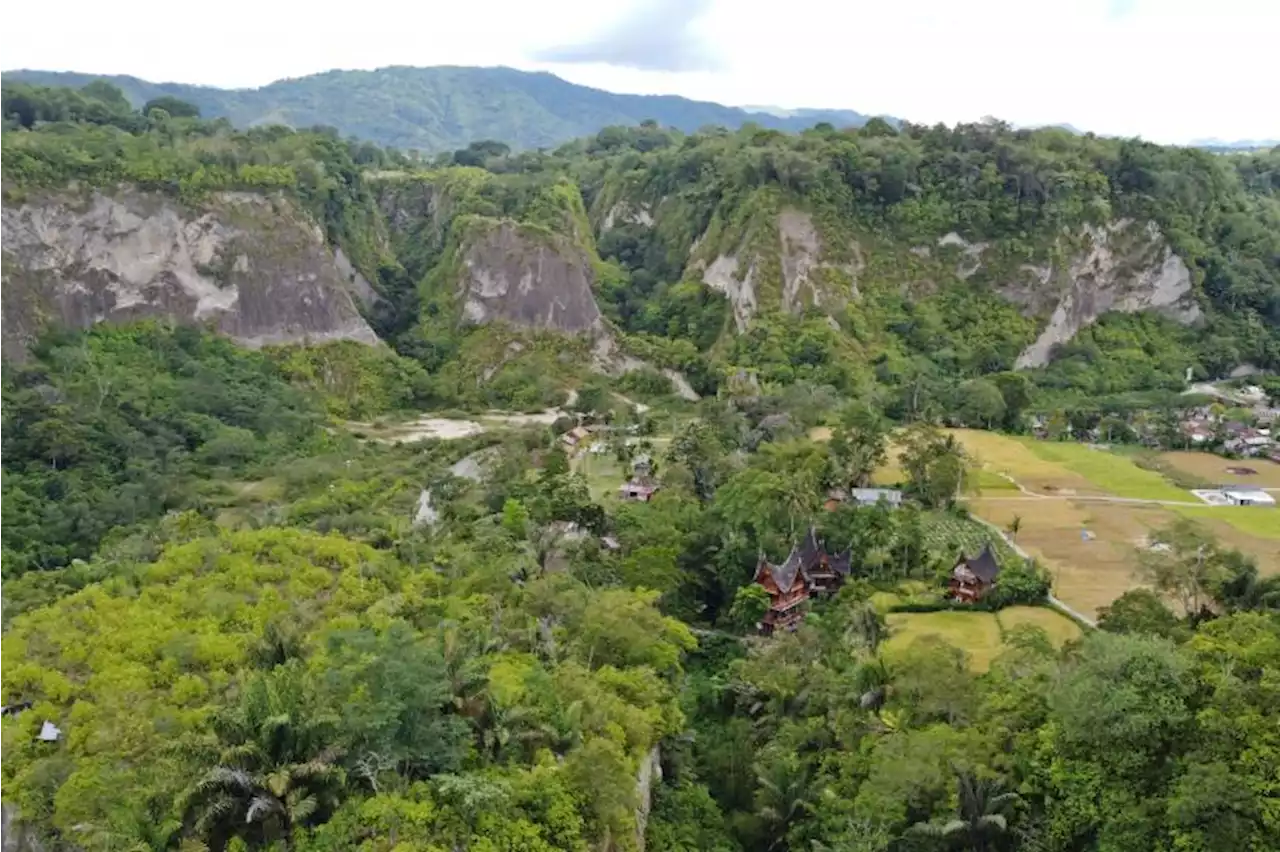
[533, 280]
[1122, 267]
[779, 260]
[253, 266]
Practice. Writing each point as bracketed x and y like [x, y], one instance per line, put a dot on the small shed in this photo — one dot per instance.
[637, 491]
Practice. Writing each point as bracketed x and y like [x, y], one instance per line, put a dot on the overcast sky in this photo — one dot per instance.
[1168, 70]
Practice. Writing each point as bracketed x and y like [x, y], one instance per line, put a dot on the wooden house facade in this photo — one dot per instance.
[807, 571]
[971, 579]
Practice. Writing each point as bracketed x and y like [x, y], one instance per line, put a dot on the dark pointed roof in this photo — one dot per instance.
[810, 551]
[804, 559]
[784, 574]
[983, 566]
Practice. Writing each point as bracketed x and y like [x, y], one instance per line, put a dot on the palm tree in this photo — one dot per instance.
[1014, 526]
[277, 771]
[783, 797]
[980, 822]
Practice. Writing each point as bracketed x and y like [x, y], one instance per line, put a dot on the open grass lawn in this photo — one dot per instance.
[1110, 472]
[1060, 628]
[1087, 574]
[980, 634]
[1213, 469]
[602, 472]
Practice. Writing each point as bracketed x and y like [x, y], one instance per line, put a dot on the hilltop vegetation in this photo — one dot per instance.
[912, 282]
[441, 108]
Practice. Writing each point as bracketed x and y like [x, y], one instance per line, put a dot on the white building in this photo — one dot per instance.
[1247, 495]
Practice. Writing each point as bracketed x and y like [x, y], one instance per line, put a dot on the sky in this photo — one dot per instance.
[1171, 71]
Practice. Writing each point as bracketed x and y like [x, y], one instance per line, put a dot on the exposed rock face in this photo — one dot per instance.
[1122, 267]
[970, 254]
[649, 774]
[251, 265]
[722, 276]
[606, 358]
[626, 213]
[804, 268]
[807, 276]
[530, 281]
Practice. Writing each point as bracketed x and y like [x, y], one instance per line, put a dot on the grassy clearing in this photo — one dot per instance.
[1060, 628]
[1087, 573]
[602, 472]
[1213, 469]
[1108, 471]
[977, 633]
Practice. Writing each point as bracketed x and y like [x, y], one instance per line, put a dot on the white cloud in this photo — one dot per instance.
[1169, 70]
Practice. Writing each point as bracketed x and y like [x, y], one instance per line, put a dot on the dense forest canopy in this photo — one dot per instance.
[224, 597]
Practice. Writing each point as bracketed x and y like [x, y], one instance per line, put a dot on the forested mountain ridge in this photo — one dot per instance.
[897, 260]
[442, 108]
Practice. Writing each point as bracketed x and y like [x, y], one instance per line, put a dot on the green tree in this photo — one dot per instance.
[981, 820]
[859, 445]
[981, 403]
[175, 107]
[749, 606]
[278, 770]
[1140, 611]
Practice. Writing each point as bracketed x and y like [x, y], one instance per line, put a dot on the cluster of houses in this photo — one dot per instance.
[1202, 428]
[813, 570]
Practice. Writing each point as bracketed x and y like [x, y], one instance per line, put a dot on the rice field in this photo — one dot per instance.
[1215, 469]
[978, 634]
[1061, 629]
[1089, 548]
[1110, 472]
[995, 454]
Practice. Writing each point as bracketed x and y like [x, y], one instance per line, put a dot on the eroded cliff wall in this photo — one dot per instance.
[253, 266]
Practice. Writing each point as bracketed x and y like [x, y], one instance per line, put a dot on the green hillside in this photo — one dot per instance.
[443, 108]
[242, 615]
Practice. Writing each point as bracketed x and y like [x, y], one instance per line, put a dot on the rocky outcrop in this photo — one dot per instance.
[740, 289]
[252, 266]
[803, 273]
[1122, 267]
[608, 359]
[531, 280]
[627, 213]
[650, 773]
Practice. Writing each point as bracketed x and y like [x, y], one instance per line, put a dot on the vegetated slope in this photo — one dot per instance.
[443, 108]
[926, 263]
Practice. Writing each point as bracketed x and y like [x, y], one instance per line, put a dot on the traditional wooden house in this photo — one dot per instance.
[808, 570]
[971, 579]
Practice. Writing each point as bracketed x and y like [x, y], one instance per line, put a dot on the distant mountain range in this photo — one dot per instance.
[1238, 145]
[443, 108]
